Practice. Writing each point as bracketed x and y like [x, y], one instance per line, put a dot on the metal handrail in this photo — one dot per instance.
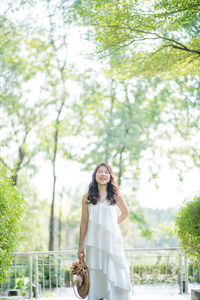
[76, 251]
[33, 264]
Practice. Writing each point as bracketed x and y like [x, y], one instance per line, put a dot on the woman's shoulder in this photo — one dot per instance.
[119, 198]
[85, 198]
[85, 195]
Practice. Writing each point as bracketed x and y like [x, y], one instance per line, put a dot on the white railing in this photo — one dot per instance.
[49, 270]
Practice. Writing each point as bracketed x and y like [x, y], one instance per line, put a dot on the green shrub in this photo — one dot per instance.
[187, 223]
[164, 272]
[11, 210]
[23, 285]
[193, 273]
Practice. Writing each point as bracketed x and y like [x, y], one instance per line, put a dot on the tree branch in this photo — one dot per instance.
[4, 163]
[187, 49]
[21, 155]
[180, 45]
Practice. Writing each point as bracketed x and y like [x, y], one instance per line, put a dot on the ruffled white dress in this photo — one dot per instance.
[105, 257]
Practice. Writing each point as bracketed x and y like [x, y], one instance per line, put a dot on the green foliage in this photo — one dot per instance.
[53, 272]
[187, 223]
[136, 215]
[11, 210]
[22, 284]
[35, 218]
[164, 272]
[116, 119]
[144, 38]
[159, 224]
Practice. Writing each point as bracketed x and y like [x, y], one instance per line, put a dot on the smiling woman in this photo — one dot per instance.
[103, 186]
[102, 175]
[101, 239]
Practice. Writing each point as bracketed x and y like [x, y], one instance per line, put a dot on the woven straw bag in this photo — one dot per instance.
[80, 278]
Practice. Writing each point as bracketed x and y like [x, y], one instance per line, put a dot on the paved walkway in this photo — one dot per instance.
[136, 297]
[161, 297]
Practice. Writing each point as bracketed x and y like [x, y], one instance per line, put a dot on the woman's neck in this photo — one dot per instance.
[102, 188]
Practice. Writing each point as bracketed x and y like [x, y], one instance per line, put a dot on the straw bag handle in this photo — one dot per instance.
[82, 261]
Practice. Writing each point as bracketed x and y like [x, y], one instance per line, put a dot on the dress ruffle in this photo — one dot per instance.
[105, 258]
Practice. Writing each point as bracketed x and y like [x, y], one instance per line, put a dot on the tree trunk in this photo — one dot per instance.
[21, 155]
[51, 225]
[120, 166]
[112, 97]
[60, 225]
[60, 66]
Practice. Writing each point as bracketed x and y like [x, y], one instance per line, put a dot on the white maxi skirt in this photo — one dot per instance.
[105, 257]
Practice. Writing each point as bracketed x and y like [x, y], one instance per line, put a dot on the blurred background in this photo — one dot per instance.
[66, 105]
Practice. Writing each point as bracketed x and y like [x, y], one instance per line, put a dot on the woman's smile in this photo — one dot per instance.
[103, 178]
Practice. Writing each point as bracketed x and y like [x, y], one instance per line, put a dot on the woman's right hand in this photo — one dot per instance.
[81, 252]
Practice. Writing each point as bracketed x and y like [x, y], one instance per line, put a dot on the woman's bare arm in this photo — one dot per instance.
[83, 224]
[123, 209]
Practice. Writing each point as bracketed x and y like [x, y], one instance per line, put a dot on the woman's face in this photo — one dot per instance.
[102, 175]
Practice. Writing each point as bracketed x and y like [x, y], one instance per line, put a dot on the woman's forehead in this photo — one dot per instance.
[102, 168]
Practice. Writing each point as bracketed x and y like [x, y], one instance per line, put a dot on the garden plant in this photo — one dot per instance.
[187, 222]
[11, 211]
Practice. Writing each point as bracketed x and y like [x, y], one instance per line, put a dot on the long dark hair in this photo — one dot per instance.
[112, 187]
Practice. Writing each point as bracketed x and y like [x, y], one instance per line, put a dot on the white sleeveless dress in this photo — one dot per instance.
[105, 257]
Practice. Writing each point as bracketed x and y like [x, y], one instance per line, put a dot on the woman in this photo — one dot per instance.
[101, 237]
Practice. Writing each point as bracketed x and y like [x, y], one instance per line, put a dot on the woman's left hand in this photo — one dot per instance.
[81, 252]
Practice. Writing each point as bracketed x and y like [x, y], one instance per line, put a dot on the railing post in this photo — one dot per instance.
[43, 275]
[186, 275]
[36, 277]
[180, 272]
[30, 277]
[15, 271]
[132, 272]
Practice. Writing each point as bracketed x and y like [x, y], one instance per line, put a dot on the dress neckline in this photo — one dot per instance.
[102, 201]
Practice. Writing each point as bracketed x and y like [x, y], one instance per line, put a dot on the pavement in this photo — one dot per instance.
[161, 297]
[135, 297]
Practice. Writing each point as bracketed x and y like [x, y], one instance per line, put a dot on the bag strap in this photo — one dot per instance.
[76, 293]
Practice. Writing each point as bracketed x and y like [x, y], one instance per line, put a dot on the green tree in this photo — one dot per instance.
[20, 117]
[177, 134]
[185, 118]
[11, 210]
[19, 123]
[145, 38]
[34, 222]
[117, 120]
[58, 75]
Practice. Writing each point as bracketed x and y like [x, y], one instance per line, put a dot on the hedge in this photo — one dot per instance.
[187, 222]
[11, 211]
